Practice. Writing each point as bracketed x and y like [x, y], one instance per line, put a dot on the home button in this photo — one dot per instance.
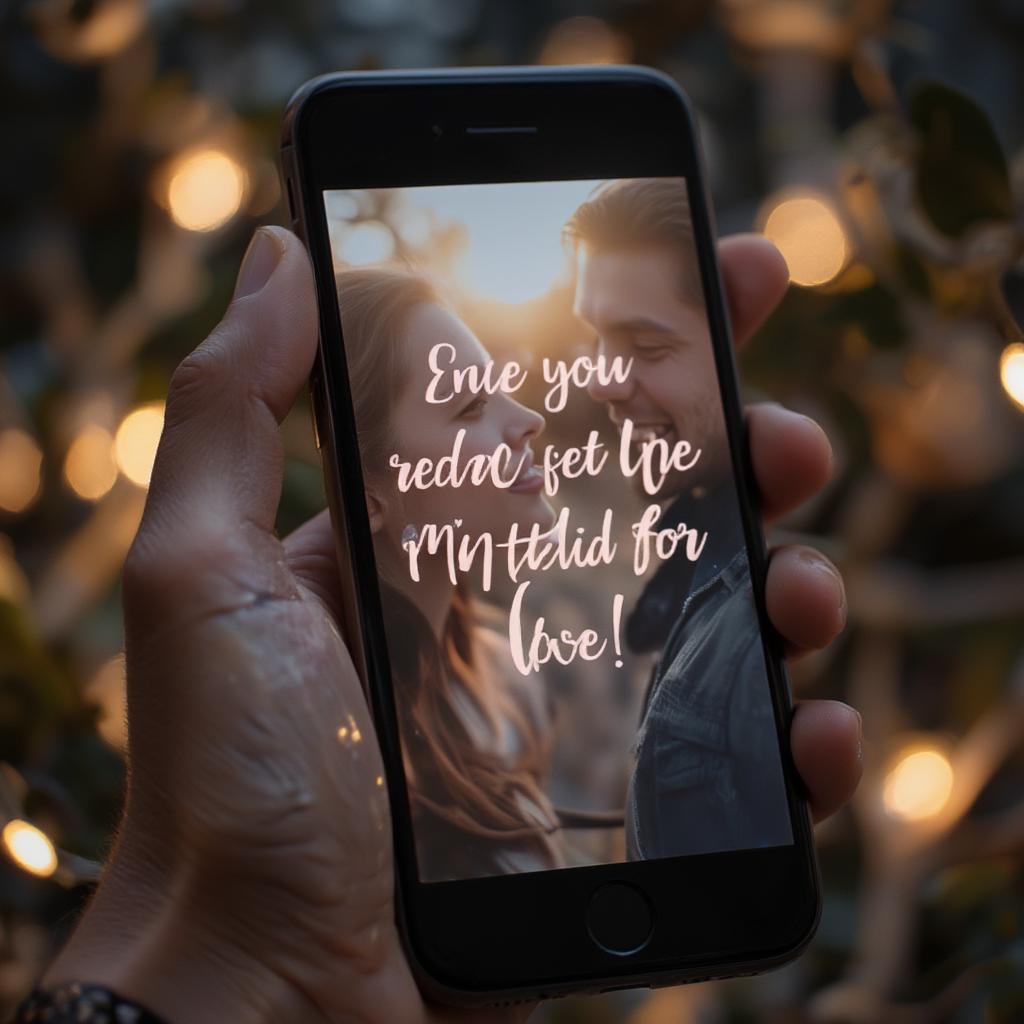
[620, 919]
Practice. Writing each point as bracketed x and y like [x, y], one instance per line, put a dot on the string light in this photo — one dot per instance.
[1011, 372]
[206, 188]
[919, 784]
[807, 231]
[136, 441]
[89, 465]
[29, 848]
[20, 470]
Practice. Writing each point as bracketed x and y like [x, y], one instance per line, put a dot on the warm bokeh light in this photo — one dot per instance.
[919, 784]
[807, 231]
[512, 248]
[350, 733]
[1011, 372]
[136, 440]
[98, 31]
[107, 691]
[20, 470]
[787, 25]
[366, 242]
[205, 190]
[29, 848]
[89, 465]
[585, 40]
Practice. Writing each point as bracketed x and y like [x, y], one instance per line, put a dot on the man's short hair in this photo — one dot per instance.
[636, 212]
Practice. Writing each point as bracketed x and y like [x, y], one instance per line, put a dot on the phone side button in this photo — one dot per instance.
[620, 919]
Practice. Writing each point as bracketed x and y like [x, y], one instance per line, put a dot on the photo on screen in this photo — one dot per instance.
[575, 653]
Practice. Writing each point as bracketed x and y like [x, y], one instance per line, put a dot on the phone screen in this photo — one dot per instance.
[578, 671]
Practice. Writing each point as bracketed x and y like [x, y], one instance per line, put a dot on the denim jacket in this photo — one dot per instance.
[708, 774]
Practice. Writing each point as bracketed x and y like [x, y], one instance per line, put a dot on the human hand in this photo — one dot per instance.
[252, 875]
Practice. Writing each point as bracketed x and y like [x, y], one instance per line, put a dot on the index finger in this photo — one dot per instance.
[755, 277]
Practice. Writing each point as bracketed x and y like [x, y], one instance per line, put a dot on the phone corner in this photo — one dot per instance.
[663, 81]
[806, 919]
[434, 987]
[297, 107]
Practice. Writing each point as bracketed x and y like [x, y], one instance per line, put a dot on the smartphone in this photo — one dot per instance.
[533, 442]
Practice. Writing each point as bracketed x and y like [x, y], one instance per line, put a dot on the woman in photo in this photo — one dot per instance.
[476, 734]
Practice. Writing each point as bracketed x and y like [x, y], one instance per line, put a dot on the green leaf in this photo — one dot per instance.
[961, 176]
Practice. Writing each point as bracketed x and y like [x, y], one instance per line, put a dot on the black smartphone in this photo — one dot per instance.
[529, 419]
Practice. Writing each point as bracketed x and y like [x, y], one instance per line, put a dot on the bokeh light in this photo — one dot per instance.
[919, 784]
[107, 691]
[136, 441]
[90, 33]
[1011, 372]
[367, 242]
[20, 470]
[89, 465]
[511, 235]
[807, 231]
[29, 848]
[585, 40]
[205, 189]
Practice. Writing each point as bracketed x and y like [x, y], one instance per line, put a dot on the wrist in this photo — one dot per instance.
[143, 937]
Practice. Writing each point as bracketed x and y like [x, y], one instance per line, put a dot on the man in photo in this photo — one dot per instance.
[707, 775]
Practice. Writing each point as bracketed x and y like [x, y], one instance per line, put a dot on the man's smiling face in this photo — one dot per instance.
[633, 298]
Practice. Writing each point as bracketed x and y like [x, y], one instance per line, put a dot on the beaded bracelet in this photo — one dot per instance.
[78, 1003]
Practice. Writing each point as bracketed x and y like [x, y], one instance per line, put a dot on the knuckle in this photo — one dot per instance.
[193, 374]
[174, 571]
[203, 371]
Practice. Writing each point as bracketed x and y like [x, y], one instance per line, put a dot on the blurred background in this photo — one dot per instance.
[880, 144]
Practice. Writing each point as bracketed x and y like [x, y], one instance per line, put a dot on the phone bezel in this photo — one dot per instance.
[523, 936]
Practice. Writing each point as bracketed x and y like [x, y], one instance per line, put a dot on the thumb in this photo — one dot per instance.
[221, 448]
[206, 539]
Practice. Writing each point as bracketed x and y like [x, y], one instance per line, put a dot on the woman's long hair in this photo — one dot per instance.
[450, 776]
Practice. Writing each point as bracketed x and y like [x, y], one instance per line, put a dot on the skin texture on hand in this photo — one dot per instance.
[252, 875]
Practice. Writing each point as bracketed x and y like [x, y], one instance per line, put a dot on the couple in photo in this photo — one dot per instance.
[477, 735]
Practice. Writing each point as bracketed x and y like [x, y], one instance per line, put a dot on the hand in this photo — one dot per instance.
[252, 876]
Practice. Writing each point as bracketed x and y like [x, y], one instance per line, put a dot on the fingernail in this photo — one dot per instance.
[262, 256]
[811, 557]
[820, 430]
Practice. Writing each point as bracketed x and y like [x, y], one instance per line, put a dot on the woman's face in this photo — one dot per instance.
[424, 430]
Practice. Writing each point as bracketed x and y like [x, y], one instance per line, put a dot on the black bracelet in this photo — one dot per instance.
[79, 1003]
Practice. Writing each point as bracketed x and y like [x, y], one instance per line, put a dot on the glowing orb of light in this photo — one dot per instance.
[806, 230]
[89, 465]
[136, 441]
[919, 784]
[29, 848]
[20, 470]
[1011, 372]
[205, 190]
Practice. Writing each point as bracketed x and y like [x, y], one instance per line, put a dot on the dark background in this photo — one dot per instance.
[904, 118]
